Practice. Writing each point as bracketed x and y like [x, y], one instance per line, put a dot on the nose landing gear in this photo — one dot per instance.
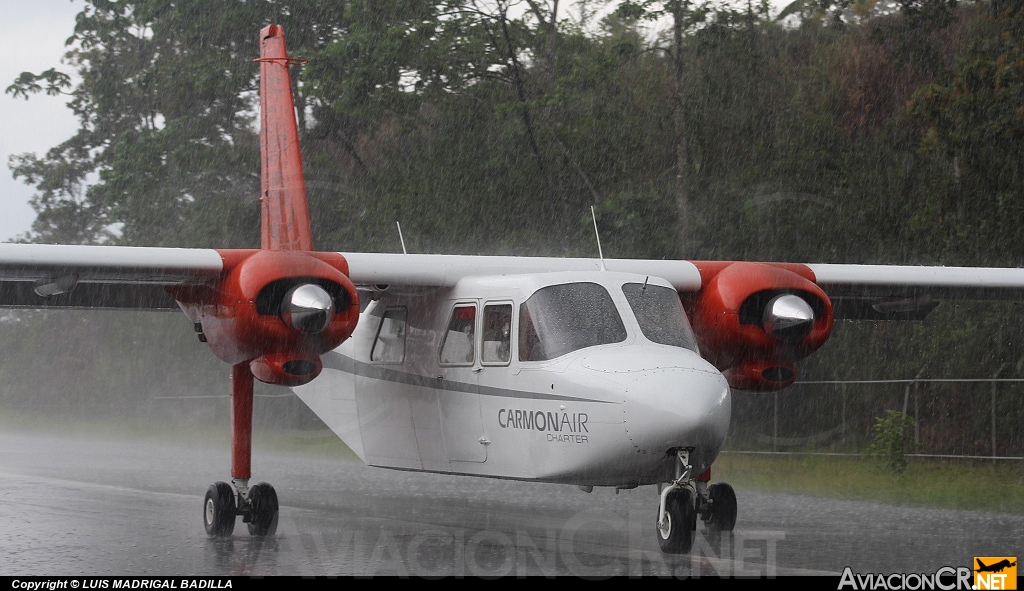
[677, 513]
[678, 522]
[684, 499]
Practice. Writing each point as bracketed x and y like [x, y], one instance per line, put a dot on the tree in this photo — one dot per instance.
[974, 128]
[684, 17]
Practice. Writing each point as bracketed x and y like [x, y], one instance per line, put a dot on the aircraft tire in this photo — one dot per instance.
[723, 507]
[219, 510]
[676, 537]
[263, 510]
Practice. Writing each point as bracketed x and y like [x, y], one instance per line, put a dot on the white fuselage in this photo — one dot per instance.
[603, 415]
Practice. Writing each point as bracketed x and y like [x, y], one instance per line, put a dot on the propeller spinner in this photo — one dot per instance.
[307, 308]
[788, 318]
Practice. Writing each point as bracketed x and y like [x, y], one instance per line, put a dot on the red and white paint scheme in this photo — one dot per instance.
[585, 371]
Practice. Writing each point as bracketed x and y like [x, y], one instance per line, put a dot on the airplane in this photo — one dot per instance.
[592, 372]
[994, 568]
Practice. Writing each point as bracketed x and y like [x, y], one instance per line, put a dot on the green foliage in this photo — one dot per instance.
[28, 83]
[857, 132]
[799, 144]
[893, 437]
[973, 122]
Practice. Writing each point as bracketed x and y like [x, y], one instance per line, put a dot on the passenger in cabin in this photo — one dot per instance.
[497, 333]
[458, 345]
[467, 331]
[505, 343]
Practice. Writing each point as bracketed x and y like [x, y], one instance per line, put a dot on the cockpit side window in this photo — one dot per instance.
[660, 315]
[459, 346]
[559, 319]
[497, 334]
[389, 347]
[529, 342]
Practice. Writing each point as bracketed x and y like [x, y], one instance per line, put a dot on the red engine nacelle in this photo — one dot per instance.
[754, 320]
[257, 313]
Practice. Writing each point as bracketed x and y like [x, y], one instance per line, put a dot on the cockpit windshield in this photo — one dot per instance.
[559, 319]
[660, 315]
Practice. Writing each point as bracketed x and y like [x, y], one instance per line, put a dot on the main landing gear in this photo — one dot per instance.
[686, 498]
[257, 505]
[258, 508]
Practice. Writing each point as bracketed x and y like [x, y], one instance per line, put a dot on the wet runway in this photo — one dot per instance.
[105, 506]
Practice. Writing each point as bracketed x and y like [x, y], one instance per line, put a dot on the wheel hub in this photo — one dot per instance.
[210, 510]
[665, 525]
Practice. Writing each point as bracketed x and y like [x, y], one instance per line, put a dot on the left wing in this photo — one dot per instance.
[899, 292]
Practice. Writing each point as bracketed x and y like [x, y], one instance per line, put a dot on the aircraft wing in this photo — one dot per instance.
[73, 276]
[63, 276]
[44, 276]
[982, 283]
[967, 283]
[436, 270]
[877, 292]
[895, 292]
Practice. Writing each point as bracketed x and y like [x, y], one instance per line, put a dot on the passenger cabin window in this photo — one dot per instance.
[390, 344]
[660, 315]
[563, 318]
[459, 346]
[497, 333]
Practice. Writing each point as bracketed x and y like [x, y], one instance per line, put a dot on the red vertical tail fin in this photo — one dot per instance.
[285, 212]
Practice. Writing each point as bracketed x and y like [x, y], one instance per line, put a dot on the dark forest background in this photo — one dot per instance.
[850, 132]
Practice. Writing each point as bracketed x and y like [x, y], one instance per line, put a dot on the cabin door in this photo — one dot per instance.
[459, 386]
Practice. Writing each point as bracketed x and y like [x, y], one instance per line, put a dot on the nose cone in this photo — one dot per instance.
[674, 399]
[677, 408]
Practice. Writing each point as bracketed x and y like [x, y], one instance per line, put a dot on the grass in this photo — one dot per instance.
[977, 485]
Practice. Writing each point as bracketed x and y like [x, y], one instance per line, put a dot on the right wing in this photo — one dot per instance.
[120, 277]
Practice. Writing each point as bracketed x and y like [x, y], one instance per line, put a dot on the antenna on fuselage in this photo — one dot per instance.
[600, 253]
[400, 239]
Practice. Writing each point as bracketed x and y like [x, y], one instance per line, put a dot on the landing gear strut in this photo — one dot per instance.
[257, 505]
[686, 498]
[677, 513]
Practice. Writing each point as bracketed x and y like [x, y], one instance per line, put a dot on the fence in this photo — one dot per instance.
[953, 418]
